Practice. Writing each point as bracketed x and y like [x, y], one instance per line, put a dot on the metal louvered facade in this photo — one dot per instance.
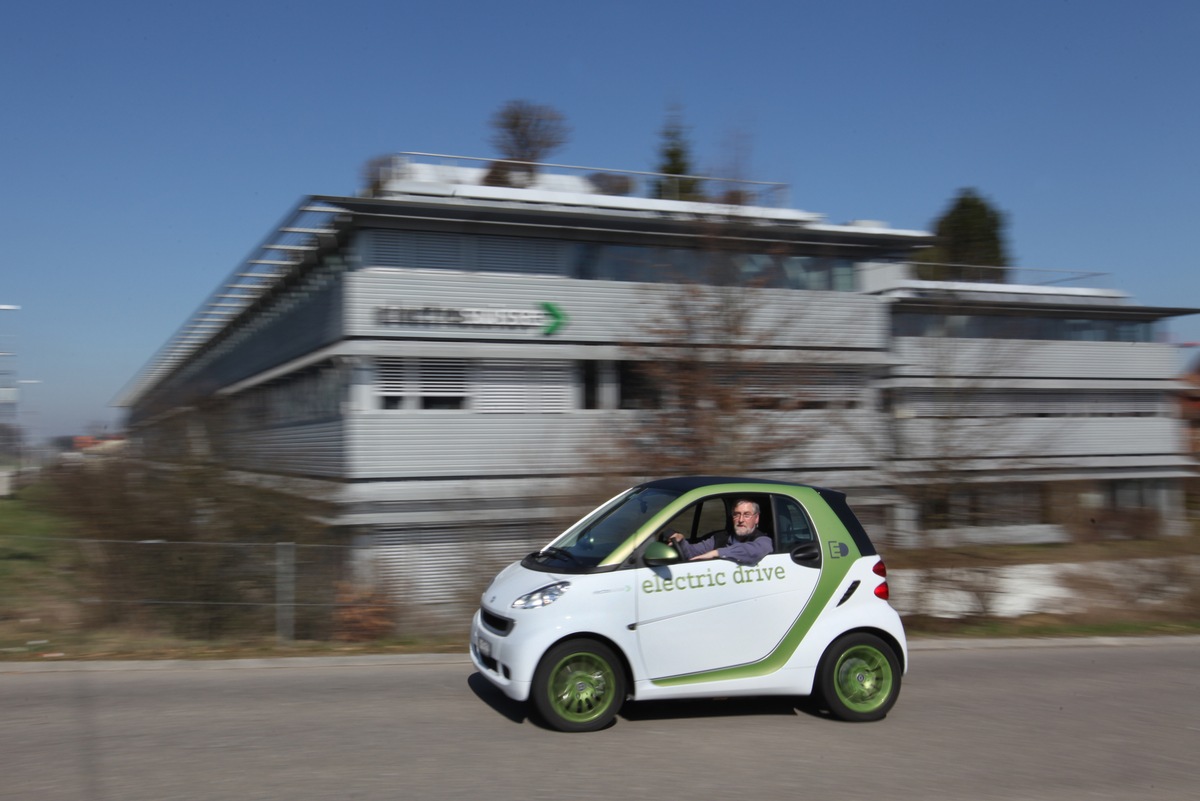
[441, 361]
[443, 562]
[486, 386]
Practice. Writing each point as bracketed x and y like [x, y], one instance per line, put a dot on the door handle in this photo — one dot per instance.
[807, 554]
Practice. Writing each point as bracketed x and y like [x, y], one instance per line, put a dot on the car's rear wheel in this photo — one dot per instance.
[579, 686]
[859, 678]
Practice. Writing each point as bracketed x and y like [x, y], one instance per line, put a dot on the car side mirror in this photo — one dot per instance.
[659, 553]
[807, 554]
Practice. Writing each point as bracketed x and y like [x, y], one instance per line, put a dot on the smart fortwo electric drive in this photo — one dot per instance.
[610, 611]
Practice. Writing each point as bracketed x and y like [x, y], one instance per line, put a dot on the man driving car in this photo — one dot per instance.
[747, 546]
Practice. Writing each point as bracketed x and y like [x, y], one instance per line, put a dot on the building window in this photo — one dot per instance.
[1133, 494]
[522, 387]
[638, 389]
[409, 383]
[488, 386]
[972, 403]
[819, 273]
[310, 396]
[984, 506]
[762, 387]
[590, 373]
[907, 323]
[428, 250]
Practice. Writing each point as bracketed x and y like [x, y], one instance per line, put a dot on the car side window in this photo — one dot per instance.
[684, 522]
[700, 519]
[791, 524]
[712, 517]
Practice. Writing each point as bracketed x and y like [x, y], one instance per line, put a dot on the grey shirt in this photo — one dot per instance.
[748, 550]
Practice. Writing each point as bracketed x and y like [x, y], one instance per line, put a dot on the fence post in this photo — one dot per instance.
[285, 591]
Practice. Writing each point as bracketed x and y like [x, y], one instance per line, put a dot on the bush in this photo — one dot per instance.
[187, 548]
[363, 614]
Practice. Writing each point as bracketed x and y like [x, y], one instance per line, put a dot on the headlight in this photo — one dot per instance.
[543, 596]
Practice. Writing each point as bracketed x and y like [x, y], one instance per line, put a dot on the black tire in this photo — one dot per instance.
[859, 678]
[578, 686]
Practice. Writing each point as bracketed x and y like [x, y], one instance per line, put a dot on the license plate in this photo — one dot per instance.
[485, 647]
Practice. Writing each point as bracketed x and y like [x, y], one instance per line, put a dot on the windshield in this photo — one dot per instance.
[592, 539]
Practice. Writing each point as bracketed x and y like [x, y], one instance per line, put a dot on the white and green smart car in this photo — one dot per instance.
[610, 611]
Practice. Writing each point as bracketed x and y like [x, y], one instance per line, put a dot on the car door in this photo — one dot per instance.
[699, 616]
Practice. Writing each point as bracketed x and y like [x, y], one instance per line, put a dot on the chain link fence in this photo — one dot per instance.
[216, 591]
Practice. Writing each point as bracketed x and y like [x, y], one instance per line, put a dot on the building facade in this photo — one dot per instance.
[447, 362]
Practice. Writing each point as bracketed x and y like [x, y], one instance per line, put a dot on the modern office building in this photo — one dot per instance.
[1043, 411]
[447, 361]
[10, 424]
[1190, 405]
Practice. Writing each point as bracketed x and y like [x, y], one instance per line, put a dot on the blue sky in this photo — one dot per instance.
[148, 146]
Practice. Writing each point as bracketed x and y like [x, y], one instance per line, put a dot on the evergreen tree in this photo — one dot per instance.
[675, 159]
[970, 235]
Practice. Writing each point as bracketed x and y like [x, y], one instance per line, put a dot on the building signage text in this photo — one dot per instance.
[548, 318]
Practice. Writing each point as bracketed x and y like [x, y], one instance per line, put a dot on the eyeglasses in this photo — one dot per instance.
[744, 514]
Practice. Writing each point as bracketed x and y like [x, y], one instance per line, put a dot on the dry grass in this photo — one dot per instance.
[1001, 555]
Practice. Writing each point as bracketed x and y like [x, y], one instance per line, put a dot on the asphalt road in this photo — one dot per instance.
[1011, 720]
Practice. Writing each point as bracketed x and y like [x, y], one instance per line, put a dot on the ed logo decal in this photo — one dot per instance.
[838, 549]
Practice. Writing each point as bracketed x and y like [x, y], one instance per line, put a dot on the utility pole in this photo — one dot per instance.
[27, 414]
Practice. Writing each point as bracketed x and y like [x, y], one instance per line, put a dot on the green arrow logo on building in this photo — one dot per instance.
[557, 318]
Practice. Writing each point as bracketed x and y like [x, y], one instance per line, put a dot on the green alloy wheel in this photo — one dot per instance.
[860, 678]
[579, 686]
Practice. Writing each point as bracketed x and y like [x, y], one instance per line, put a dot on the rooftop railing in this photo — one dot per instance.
[549, 176]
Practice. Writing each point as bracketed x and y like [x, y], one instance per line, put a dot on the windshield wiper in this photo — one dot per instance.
[560, 553]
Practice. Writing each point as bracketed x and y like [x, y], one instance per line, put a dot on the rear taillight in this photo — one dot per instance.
[880, 569]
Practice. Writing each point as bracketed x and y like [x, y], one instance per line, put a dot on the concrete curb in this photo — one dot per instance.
[398, 660]
[969, 644]
[270, 663]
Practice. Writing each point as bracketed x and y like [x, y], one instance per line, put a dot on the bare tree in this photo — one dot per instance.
[936, 434]
[711, 397]
[700, 392]
[737, 149]
[375, 172]
[608, 183]
[524, 133]
[953, 422]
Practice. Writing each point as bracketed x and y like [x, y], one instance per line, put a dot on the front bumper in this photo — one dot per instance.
[497, 654]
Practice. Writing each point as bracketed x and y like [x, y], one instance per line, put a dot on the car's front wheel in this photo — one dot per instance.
[579, 686]
[859, 678]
